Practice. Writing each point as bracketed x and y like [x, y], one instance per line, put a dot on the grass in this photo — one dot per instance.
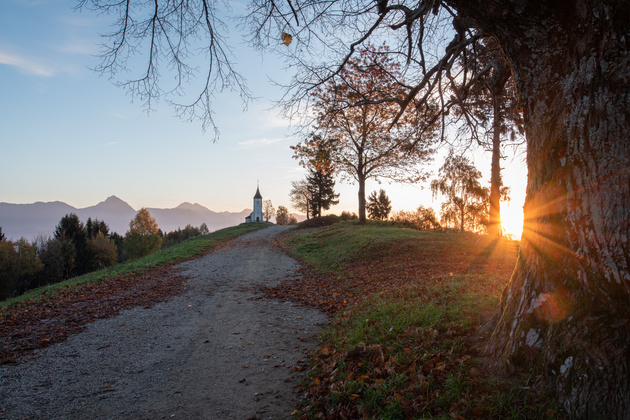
[172, 255]
[407, 345]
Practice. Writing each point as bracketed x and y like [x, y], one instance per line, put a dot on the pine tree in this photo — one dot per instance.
[321, 186]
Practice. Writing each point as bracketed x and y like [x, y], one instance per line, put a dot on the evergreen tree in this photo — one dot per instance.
[71, 229]
[94, 227]
[378, 206]
[321, 187]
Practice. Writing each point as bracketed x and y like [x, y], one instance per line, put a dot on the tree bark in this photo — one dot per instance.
[566, 309]
[362, 216]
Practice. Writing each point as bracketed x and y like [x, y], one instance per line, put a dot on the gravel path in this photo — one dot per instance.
[210, 353]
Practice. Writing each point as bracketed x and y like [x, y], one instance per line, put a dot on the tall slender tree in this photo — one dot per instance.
[487, 110]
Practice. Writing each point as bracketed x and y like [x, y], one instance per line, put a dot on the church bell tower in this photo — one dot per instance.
[257, 214]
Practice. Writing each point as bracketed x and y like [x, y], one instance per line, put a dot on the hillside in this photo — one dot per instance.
[406, 337]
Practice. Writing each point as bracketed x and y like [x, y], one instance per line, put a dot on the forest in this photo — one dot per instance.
[78, 248]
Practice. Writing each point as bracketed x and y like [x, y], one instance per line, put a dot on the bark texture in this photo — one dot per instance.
[567, 307]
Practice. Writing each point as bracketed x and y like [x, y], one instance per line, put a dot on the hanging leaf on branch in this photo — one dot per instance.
[286, 38]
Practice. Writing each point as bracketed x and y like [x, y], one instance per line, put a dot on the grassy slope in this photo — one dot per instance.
[403, 346]
[177, 253]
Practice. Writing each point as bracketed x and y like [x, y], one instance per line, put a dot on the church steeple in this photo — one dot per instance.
[257, 214]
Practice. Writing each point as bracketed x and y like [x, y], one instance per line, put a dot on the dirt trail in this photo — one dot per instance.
[210, 353]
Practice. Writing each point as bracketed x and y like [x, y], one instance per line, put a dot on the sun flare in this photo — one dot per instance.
[512, 221]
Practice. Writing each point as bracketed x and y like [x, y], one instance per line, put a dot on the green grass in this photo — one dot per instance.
[172, 255]
[383, 344]
[330, 249]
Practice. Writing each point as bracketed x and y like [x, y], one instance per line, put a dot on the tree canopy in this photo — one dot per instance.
[143, 236]
[363, 142]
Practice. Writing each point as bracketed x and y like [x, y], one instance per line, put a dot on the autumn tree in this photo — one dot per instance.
[570, 62]
[365, 143]
[379, 205]
[142, 238]
[1, 235]
[282, 216]
[268, 210]
[18, 265]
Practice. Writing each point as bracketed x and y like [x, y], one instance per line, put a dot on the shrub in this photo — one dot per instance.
[319, 222]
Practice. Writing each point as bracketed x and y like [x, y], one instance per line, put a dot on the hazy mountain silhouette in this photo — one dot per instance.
[32, 220]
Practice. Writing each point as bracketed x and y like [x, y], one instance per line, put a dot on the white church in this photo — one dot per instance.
[256, 215]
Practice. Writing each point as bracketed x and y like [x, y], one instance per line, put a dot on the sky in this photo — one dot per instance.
[68, 134]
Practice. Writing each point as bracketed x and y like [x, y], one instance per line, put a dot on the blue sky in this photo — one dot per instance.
[67, 134]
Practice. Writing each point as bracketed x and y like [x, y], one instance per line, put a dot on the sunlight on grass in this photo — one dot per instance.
[404, 348]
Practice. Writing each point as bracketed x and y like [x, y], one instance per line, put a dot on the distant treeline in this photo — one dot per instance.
[77, 248]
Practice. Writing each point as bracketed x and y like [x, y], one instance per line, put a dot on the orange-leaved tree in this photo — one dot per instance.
[143, 236]
[365, 144]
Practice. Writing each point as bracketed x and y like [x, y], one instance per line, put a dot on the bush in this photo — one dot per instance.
[137, 245]
[178, 236]
[319, 222]
[104, 252]
[346, 215]
[422, 219]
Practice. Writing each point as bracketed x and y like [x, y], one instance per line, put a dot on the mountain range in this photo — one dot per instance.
[32, 220]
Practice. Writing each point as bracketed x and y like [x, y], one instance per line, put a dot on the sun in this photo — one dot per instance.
[512, 221]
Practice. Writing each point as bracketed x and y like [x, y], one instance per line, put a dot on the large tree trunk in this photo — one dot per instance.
[566, 310]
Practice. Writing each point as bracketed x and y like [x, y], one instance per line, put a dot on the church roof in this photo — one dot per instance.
[257, 193]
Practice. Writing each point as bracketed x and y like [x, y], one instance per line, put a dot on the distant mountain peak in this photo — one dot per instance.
[113, 202]
[194, 207]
